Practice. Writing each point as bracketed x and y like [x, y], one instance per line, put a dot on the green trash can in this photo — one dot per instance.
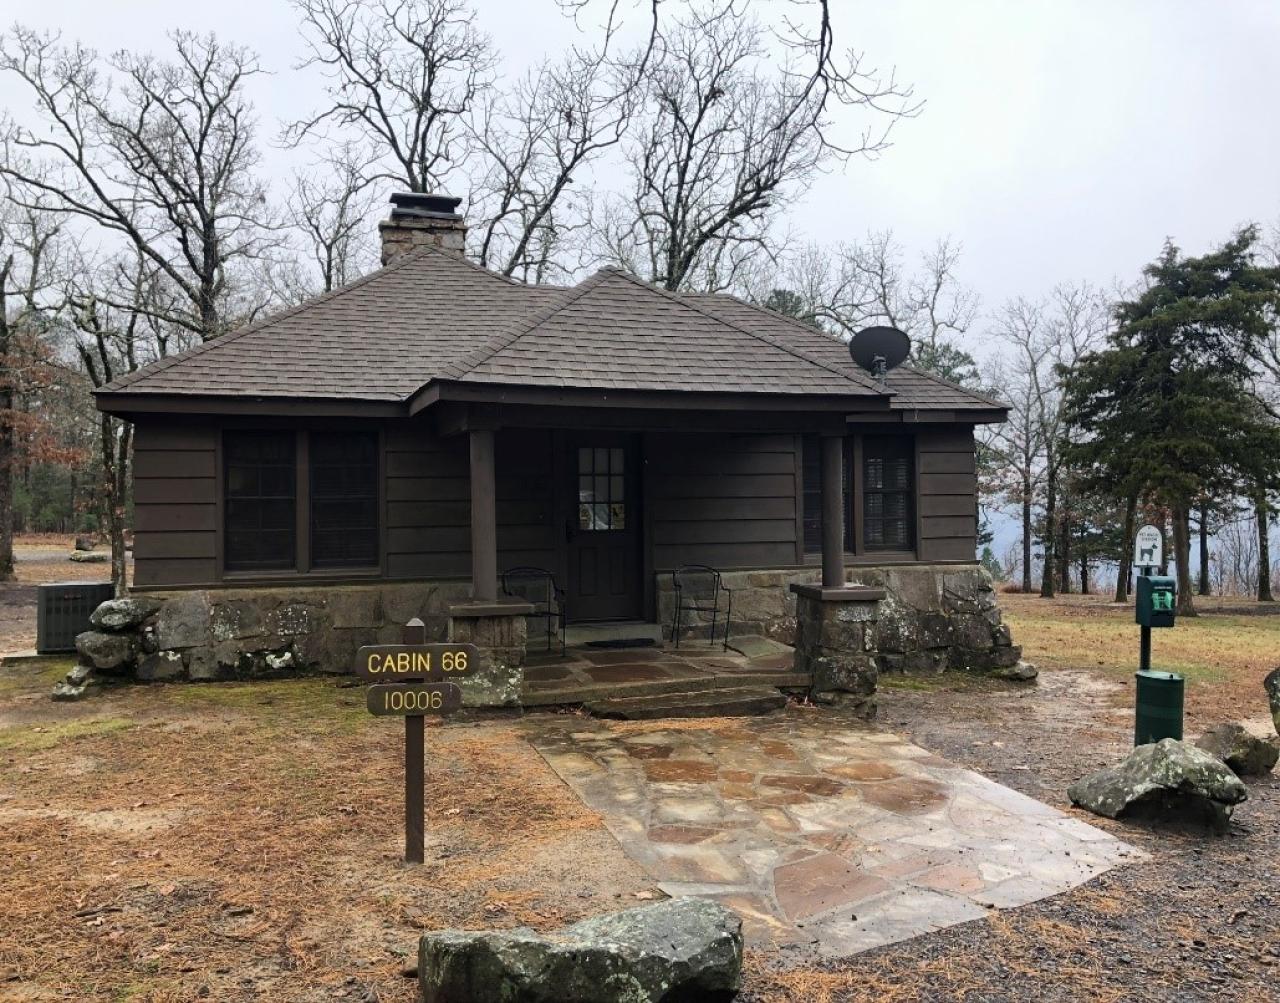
[1158, 708]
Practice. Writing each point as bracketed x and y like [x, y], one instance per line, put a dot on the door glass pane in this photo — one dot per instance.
[601, 488]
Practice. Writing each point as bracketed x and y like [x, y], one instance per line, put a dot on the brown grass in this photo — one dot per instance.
[213, 835]
[1224, 655]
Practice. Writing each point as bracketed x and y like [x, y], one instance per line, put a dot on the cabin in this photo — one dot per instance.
[308, 483]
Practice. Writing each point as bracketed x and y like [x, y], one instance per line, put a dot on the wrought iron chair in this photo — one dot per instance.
[698, 589]
[538, 587]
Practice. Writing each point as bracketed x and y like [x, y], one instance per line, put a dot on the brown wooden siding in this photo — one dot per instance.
[948, 519]
[527, 531]
[428, 512]
[175, 504]
[429, 509]
[720, 499]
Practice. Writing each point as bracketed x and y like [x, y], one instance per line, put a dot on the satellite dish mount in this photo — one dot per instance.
[879, 349]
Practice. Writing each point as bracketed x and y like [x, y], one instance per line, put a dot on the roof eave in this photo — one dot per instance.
[511, 393]
[124, 404]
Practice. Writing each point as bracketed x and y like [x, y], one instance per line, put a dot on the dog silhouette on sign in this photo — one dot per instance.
[1147, 555]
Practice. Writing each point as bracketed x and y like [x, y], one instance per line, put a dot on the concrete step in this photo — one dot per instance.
[576, 693]
[732, 701]
[612, 630]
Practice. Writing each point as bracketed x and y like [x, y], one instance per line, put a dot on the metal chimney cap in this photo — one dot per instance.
[419, 205]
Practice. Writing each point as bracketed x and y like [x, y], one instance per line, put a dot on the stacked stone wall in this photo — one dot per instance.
[934, 616]
[224, 634]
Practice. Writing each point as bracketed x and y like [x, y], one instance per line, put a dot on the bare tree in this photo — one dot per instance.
[159, 154]
[28, 260]
[534, 140]
[856, 285]
[329, 209]
[114, 335]
[1019, 442]
[723, 140]
[402, 77]
[411, 82]
[1046, 338]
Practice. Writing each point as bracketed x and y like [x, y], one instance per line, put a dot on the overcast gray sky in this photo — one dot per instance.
[1059, 140]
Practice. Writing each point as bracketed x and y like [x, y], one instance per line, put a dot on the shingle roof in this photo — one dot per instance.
[434, 316]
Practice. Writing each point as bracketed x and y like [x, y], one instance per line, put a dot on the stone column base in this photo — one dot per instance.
[499, 630]
[831, 644]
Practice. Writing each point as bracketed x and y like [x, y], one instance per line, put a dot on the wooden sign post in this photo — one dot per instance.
[414, 679]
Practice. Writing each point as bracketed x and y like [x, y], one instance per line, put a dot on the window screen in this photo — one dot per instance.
[811, 472]
[261, 488]
[886, 492]
[344, 499]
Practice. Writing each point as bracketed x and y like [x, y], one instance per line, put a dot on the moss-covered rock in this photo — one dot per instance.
[683, 951]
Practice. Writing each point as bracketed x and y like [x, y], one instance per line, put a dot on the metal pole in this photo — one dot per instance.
[415, 766]
[1144, 638]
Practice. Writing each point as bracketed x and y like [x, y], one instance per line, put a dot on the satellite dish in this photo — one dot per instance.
[879, 349]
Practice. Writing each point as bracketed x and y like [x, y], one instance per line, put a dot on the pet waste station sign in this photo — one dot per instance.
[1158, 704]
[413, 680]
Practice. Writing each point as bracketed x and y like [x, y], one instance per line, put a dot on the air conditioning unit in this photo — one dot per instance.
[62, 612]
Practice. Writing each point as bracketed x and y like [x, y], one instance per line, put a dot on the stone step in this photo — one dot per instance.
[723, 701]
[576, 693]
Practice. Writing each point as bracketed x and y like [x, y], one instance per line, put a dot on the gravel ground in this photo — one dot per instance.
[1199, 921]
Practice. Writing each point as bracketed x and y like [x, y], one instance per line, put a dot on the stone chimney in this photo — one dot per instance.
[422, 219]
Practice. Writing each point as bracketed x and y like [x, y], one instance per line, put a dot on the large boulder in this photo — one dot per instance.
[1166, 778]
[1245, 753]
[1272, 685]
[681, 951]
[123, 614]
[107, 651]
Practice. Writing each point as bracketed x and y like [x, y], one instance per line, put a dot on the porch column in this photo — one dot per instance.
[484, 518]
[832, 510]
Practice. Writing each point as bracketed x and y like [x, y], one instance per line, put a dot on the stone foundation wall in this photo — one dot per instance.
[935, 616]
[208, 635]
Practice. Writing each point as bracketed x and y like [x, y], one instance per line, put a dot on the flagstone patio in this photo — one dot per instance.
[822, 832]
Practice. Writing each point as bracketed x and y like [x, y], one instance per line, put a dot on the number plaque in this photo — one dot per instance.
[406, 699]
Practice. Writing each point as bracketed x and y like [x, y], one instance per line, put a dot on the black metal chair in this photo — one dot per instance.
[537, 586]
[698, 589]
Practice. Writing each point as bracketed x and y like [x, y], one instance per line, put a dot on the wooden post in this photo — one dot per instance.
[415, 766]
[832, 458]
[484, 518]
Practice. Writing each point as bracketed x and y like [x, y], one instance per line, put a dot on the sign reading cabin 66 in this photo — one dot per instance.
[385, 663]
